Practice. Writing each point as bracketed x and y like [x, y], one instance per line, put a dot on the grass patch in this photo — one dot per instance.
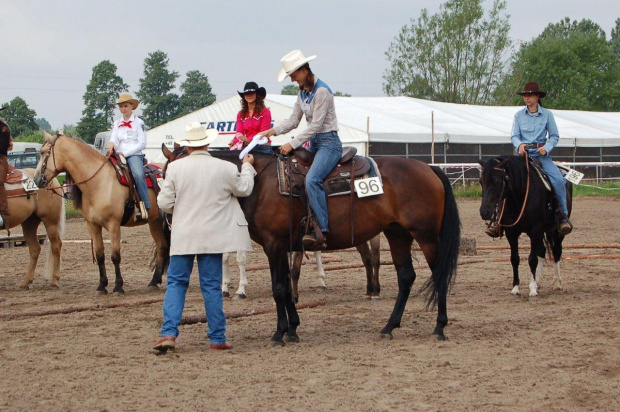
[473, 190]
[71, 211]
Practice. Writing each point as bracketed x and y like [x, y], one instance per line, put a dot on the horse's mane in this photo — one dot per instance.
[515, 170]
[74, 192]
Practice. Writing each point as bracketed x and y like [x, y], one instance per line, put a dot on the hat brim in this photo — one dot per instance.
[540, 94]
[283, 74]
[209, 136]
[134, 103]
[261, 91]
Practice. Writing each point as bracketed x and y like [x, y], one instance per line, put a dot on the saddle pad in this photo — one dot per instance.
[18, 188]
[542, 175]
[148, 169]
[333, 186]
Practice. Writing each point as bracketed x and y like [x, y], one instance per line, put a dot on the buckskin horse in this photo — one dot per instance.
[369, 252]
[101, 197]
[30, 208]
[514, 193]
[417, 204]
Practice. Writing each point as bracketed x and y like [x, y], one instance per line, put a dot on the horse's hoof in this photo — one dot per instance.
[291, 338]
[375, 297]
[367, 296]
[54, 286]
[239, 296]
[276, 343]
[439, 336]
[387, 336]
[153, 287]
[24, 287]
[225, 294]
[101, 292]
[118, 291]
[532, 296]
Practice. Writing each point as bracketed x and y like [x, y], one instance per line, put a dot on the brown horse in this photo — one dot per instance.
[369, 252]
[102, 200]
[417, 203]
[29, 211]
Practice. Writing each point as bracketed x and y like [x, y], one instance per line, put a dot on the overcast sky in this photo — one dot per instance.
[48, 48]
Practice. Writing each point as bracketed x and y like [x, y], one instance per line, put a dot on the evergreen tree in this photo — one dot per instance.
[19, 117]
[196, 91]
[100, 101]
[159, 103]
[615, 39]
[43, 124]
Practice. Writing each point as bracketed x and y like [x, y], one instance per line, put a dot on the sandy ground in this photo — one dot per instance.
[556, 352]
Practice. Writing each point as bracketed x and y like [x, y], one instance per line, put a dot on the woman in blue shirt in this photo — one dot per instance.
[534, 132]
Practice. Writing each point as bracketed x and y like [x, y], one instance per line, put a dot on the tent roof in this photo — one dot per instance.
[400, 120]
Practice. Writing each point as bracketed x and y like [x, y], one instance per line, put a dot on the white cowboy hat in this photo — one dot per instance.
[197, 136]
[291, 62]
[126, 97]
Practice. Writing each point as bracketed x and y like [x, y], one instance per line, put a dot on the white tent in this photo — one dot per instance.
[364, 120]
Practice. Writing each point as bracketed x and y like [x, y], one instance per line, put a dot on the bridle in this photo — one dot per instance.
[502, 197]
[45, 182]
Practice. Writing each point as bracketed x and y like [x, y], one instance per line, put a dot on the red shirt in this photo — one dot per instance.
[249, 126]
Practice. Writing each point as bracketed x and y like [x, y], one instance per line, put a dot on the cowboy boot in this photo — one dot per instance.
[494, 230]
[565, 226]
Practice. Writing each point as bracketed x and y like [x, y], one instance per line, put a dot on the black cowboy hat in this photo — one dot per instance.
[532, 88]
[252, 87]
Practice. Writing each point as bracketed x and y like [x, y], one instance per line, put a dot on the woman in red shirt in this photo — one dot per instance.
[253, 117]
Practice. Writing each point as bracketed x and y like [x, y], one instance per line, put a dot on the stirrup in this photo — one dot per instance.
[494, 231]
[142, 213]
[565, 226]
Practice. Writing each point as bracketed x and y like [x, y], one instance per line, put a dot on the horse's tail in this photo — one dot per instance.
[444, 270]
[75, 193]
[48, 270]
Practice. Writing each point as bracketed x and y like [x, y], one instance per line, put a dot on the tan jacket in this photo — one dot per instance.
[202, 192]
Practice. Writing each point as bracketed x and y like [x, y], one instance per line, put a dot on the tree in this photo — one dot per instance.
[100, 101]
[19, 117]
[337, 93]
[43, 124]
[160, 105]
[615, 39]
[290, 90]
[454, 56]
[197, 93]
[573, 62]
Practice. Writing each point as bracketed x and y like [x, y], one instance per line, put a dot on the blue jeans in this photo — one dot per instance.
[135, 163]
[327, 150]
[210, 275]
[555, 178]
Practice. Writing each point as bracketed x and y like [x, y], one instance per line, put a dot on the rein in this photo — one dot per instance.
[44, 181]
[503, 196]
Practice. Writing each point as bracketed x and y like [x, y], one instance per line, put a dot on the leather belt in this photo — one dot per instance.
[534, 145]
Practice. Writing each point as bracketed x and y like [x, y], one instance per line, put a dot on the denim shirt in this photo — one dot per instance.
[533, 128]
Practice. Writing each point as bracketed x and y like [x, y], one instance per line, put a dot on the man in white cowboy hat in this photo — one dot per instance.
[202, 192]
[128, 138]
[316, 101]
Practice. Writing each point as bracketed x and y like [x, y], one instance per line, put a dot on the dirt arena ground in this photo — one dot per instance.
[560, 351]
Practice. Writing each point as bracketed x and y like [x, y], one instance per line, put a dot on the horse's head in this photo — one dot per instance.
[492, 180]
[48, 167]
[172, 155]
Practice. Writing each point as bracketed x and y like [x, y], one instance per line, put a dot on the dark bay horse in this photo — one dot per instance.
[513, 191]
[101, 198]
[417, 203]
[369, 252]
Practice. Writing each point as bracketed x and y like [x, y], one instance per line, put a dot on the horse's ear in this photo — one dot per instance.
[166, 151]
[176, 145]
[47, 135]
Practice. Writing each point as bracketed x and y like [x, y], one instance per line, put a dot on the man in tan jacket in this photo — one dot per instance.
[202, 192]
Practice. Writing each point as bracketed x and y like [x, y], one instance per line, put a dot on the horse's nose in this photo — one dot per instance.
[485, 213]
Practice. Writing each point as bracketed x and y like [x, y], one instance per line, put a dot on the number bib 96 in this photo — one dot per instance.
[368, 187]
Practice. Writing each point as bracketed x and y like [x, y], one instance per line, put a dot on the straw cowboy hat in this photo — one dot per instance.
[126, 97]
[291, 62]
[197, 136]
[252, 87]
[532, 88]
